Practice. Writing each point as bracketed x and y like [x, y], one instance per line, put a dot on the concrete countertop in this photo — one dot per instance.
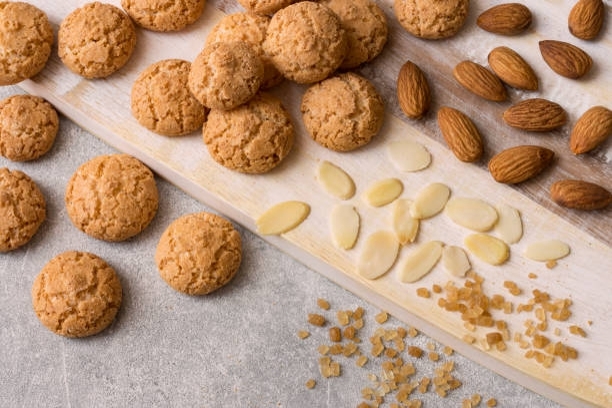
[237, 347]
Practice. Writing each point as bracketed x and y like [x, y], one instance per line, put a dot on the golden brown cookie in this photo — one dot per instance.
[264, 6]
[22, 209]
[199, 253]
[343, 112]
[164, 15]
[253, 138]
[431, 19]
[112, 197]
[76, 294]
[366, 29]
[162, 102]
[250, 28]
[306, 42]
[96, 40]
[225, 74]
[28, 126]
[26, 38]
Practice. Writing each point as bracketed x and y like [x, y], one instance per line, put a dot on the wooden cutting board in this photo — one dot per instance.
[585, 276]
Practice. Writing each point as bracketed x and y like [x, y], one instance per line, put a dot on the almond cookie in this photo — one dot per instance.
[343, 112]
[429, 19]
[264, 6]
[96, 40]
[225, 74]
[250, 28]
[199, 253]
[162, 102]
[112, 197]
[22, 209]
[306, 42]
[28, 126]
[26, 38]
[253, 138]
[366, 29]
[76, 294]
[163, 15]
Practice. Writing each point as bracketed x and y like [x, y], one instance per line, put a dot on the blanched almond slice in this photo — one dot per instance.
[344, 223]
[455, 260]
[471, 213]
[488, 248]
[408, 156]
[383, 192]
[549, 250]
[404, 224]
[430, 200]
[420, 261]
[509, 225]
[378, 254]
[335, 180]
[282, 217]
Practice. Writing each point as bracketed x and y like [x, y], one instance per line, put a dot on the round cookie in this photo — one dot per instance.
[76, 294]
[112, 197]
[162, 102]
[26, 38]
[253, 138]
[199, 253]
[28, 127]
[22, 209]
[250, 28]
[366, 29]
[163, 15]
[96, 40]
[306, 42]
[431, 20]
[225, 75]
[343, 112]
[264, 6]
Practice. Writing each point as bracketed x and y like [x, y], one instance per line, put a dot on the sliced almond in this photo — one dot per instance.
[344, 225]
[420, 261]
[548, 250]
[378, 254]
[335, 180]
[455, 260]
[487, 248]
[471, 213]
[430, 200]
[408, 156]
[282, 217]
[383, 192]
[509, 225]
[405, 225]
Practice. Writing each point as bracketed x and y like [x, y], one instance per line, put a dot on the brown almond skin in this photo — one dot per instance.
[520, 163]
[591, 129]
[580, 195]
[505, 19]
[565, 59]
[460, 134]
[536, 115]
[480, 81]
[586, 19]
[512, 69]
[413, 91]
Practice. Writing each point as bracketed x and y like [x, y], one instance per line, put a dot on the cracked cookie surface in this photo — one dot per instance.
[164, 15]
[432, 20]
[264, 7]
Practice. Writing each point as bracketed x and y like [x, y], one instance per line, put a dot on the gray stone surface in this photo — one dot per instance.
[236, 347]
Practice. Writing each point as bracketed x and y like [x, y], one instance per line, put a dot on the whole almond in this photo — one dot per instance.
[413, 92]
[536, 115]
[586, 19]
[520, 163]
[580, 195]
[505, 19]
[591, 129]
[460, 134]
[512, 69]
[565, 59]
[480, 81]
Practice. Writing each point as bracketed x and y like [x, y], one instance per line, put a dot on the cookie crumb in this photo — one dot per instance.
[323, 304]
[310, 384]
[316, 319]
[302, 334]
[382, 317]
